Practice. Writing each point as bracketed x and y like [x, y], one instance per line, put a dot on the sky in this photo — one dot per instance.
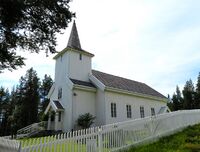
[154, 42]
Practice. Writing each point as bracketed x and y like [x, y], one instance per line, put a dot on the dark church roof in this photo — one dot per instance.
[74, 41]
[58, 105]
[83, 83]
[125, 84]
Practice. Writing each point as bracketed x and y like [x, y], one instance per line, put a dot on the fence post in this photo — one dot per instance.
[100, 139]
[152, 125]
[19, 150]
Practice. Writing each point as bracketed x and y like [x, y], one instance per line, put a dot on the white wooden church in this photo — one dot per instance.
[78, 89]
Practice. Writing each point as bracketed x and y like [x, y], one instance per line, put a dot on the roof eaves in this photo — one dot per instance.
[60, 53]
[81, 51]
[72, 49]
[87, 88]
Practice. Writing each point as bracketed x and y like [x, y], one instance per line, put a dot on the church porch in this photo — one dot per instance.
[55, 113]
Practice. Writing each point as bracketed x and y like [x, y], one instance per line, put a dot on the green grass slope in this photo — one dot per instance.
[187, 140]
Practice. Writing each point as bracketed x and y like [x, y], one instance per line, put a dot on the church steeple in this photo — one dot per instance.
[73, 41]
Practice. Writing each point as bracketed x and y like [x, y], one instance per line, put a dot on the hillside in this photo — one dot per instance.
[187, 140]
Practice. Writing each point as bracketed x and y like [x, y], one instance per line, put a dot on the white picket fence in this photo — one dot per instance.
[7, 145]
[116, 136]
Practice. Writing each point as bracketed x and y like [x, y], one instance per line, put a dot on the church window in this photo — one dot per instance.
[59, 116]
[153, 112]
[128, 110]
[59, 93]
[142, 112]
[113, 110]
[80, 56]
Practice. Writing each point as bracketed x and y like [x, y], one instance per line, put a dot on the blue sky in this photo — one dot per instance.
[155, 42]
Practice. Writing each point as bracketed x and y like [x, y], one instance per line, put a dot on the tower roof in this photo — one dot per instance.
[74, 41]
[74, 44]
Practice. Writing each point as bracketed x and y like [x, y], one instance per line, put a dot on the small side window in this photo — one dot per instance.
[128, 111]
[59, 93]
[153, 112]
[59, 116]
[142, 112]
[113, 110]
[80, 56]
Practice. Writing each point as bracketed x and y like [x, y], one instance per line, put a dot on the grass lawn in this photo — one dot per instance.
[52, 144]
[187, 140]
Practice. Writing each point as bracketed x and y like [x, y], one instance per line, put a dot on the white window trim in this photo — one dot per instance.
[113, 109]
[142, 114]
[153, 111]
[128, 111]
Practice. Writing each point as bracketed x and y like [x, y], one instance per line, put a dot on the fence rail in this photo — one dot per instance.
[31, 129]
[116, 136]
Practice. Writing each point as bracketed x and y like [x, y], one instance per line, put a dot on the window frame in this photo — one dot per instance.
[153, 113]
[59, 116]
[113, 110]
[80, 56]
[60, 93]
[142, 114]
[128, 111]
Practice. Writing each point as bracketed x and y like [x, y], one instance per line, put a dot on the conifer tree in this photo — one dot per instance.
[47, 82]
[4, 111]
[31, 97]
[197, 94]
[177, 100]
[198, 84]
[189, 95]
[18, 120]
[27, 100]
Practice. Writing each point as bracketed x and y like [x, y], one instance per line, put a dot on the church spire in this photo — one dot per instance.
[73, 41]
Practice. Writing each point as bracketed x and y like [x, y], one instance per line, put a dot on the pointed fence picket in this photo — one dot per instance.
[114, 137]
[7, 145]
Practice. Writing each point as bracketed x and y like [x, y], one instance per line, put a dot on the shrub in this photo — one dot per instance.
[85, 120]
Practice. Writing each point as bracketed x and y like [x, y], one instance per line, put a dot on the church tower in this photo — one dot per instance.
[73, 62]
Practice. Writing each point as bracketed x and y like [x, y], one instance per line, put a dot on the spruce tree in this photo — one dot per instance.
[188, 94]
[18, 116]
[198, 84]
[27, 100]
[4, 111]
[177, 100]
[197, 95]
[47, 82]
[31, 98]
